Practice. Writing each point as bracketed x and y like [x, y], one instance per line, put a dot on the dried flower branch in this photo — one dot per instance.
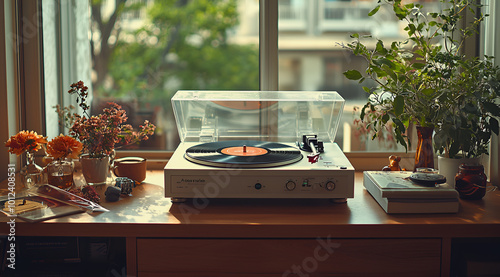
[66, 115]
[100, 133]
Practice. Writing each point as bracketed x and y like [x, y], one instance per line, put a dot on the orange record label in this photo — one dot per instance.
[244, 151]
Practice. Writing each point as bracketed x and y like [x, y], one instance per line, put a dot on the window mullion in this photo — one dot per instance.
[491, 41]
[8, 88]
[30, 80]
[268, 44]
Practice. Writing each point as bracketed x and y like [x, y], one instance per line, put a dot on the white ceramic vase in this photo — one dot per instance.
[95, 170]
[449, 167]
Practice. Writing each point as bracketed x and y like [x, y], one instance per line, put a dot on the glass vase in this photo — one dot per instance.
[470, 181]
[424, 156]
[60, 173]
[31, 173]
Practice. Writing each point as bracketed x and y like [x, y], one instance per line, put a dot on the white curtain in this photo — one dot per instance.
[491, 43]
[66, 53]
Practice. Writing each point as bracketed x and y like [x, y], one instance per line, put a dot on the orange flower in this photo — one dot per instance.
[25, 141]
[64, 146]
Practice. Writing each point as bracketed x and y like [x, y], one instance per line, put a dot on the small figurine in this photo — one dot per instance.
[126, 184]
[393, 164]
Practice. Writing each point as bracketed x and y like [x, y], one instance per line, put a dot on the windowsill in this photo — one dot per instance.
[360, 161]
[377, 160]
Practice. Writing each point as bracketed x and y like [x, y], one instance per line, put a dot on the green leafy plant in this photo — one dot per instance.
[471, 107]
[426, 80]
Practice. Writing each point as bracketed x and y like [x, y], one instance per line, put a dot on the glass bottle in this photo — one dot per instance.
[31, 173]
[60, 173]
[424, 156]
[470, 181]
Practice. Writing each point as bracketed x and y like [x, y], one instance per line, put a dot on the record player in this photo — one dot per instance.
[258, 144]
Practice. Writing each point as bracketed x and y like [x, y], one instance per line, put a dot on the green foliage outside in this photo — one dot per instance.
[181, 45]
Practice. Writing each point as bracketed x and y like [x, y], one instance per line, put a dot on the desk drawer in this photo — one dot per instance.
[289, 257]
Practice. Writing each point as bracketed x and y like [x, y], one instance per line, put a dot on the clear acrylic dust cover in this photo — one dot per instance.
[284, 116]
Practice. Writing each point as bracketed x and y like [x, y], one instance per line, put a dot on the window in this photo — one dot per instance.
[296, 23]
[311, 59]
[7, 100]
[139, 53]
[491, 39]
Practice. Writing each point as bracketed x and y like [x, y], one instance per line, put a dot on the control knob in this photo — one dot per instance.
[330, 186]
[290, 185]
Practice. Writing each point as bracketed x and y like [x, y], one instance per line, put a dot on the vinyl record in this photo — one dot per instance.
[243, 153]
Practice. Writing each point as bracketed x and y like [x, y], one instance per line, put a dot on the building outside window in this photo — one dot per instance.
[139, 53]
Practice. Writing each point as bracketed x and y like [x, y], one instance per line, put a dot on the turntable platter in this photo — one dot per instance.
[243, 153]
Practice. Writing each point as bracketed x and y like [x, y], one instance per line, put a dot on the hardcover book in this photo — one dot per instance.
[396, 184]
[395, 193]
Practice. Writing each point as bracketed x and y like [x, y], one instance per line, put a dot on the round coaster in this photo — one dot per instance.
[427, 179]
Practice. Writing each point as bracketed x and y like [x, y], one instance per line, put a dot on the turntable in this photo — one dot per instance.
[258, 144]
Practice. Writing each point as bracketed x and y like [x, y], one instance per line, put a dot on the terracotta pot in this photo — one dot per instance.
[95, 170]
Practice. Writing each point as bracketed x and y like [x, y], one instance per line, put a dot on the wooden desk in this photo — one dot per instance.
[240, 237]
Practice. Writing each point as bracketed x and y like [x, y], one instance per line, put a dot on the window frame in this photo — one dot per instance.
[22, 94]
[489, 39]
[30, 94]
[8, 101]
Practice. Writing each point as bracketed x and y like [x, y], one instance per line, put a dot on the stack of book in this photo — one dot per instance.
[395, 193]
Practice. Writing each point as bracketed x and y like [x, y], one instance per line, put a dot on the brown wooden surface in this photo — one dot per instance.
[320, 257]
[131, 249]
[149, 214]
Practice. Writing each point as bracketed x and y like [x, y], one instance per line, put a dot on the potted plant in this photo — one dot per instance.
[464, 134]
[100, 134]
[426, 80]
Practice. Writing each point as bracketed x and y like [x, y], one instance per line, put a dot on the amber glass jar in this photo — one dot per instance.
[470, 181]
